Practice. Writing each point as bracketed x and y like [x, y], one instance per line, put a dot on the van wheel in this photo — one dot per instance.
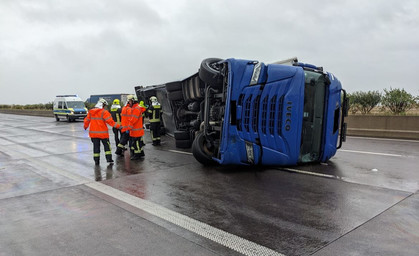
[209, 72]
[200, 150]
[57, 118]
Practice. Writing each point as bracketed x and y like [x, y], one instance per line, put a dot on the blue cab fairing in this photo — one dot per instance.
[267, 124]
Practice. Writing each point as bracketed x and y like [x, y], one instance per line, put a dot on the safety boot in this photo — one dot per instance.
[119, 151]
[109, 159]
[136, 157]
[96, 160]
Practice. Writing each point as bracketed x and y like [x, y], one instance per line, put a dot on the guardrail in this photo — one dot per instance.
[400, 127]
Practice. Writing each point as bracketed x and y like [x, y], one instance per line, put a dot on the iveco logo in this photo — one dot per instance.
[288, 116]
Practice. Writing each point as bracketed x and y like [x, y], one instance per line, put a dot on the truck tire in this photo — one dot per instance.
[183, 143]
[173, 86]
[175, 95]
[200, 151]
[162, 130]
[209, 72]
[181, 135]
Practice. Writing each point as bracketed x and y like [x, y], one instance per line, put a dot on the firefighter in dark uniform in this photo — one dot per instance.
[116, 116]
[154, 115]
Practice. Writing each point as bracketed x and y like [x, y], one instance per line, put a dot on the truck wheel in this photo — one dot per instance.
[175, 95]
[162, 130]
[183, 143]
[209, 72]
[174, 86]
[57, 118]
[181, 135]
[200, 150]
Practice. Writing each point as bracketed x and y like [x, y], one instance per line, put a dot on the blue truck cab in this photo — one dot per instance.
[277, 114]
[245, 112]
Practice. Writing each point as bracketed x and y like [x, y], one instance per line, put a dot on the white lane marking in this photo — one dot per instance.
[231, 241]
[370, 153]
[180, 152]
[370, 138]
[309, 173]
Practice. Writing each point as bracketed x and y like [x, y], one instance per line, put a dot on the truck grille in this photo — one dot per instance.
[264, 114]
[270, 114]
[281, 104]
[255, 115]
[247, 107]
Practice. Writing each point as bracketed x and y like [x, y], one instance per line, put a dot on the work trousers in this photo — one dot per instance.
[125, 138]
[137, 145]
[155, 132]
[96, 149]
[117, 134]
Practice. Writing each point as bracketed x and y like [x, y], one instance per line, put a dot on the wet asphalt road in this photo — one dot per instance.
[54, 201]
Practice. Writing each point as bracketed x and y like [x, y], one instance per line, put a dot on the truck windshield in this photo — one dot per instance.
[314, 101]
[75, 104]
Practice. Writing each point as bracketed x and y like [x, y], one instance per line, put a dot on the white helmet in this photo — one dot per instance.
[103, 101]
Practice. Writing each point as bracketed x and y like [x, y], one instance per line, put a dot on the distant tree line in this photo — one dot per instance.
[40, 106]
[395, 101]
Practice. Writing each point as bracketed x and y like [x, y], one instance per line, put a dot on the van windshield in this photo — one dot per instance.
[75, 104]
[314, 101]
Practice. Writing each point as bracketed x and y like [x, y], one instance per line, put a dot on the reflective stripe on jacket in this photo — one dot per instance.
[154, 113]
[97, 118]
[125, 117]
[116, 114]
[136, 121]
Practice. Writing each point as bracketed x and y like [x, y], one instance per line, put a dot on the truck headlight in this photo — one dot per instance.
[249, 152]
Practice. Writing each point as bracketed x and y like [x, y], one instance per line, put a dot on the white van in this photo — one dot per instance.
[70, 107]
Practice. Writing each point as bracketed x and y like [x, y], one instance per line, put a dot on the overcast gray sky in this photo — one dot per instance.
[50, 47]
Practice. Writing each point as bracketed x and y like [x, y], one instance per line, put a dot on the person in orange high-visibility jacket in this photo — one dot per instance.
[125, 117]
[97, 118]
[137, 130]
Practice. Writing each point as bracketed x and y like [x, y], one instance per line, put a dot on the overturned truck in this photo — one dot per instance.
[246, 112]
